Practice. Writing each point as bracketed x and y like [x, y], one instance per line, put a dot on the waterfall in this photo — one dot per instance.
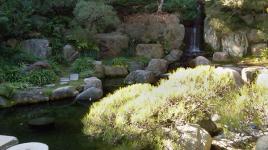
[194, 33]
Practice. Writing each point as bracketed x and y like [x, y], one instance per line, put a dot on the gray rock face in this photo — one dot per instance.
[90, 94]
[69, 53]
[30, 96]
[92, 82]
[210, 36]
[115, 71]
[256, 49]
[140, 76]
[262, 143]
[111, 44]
[64, 93]
[173, 56]
[7, 141]
[150, 50]
[151, 27]
[37, 47]
[157, 66]
[3, 102]
[200, 60]
[221, 57]
[235, 44]
[135, 65]
[193, 137]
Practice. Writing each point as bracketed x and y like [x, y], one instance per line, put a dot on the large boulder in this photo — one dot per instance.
[115, 71]
[200, 60]
[90, 94]
[173, 56]
[92, 82]
[193, 137]
[211, 37]
[233, 74]
[147, 28]
[63, 93]
[30, 96]
[112, 44]
[236, 44]
[221, 57]
[69, 53]
[37, 47]
[157, 66]
[140, 76]
[256, 49]
[150, 50]
[262, 143]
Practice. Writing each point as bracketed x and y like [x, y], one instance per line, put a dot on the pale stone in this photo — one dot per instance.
[30, 146]
[7, 141]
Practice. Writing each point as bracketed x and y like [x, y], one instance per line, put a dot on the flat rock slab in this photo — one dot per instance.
[42, 123]
[30, 146]
[7, 141]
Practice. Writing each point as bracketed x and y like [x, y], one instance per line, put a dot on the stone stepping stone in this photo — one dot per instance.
[74, 77]
[30, 146]
[42, 123]
[7, 141]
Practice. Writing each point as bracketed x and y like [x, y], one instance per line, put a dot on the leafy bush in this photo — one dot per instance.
[138, 113]
[82, 64]
[41, 77]
[264, 53]
[95, 15]
[7, 90]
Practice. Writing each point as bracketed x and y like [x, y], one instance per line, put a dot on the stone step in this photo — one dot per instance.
[7, 141]
[30, 146]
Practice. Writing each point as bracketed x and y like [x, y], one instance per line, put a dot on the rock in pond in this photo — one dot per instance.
[200, 60]
[64, 93]
[92, 82]
[157, 66]
[90, 94]
[42, 123]
[262, 80]
[7, 141]
[30, 146]
[30, 96]
[140, 76]
[3, 102]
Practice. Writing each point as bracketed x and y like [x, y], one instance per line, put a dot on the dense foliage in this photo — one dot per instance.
[134, 117]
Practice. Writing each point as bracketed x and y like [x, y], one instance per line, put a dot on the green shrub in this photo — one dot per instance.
[41, 77]
[264, 53]
[82, 64]
[7, 90]
[95, 15]
[138, 113]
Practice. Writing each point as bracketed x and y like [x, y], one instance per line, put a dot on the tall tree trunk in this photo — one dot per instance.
[160, 5]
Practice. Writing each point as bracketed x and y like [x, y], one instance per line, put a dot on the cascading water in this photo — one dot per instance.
[194, 33]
